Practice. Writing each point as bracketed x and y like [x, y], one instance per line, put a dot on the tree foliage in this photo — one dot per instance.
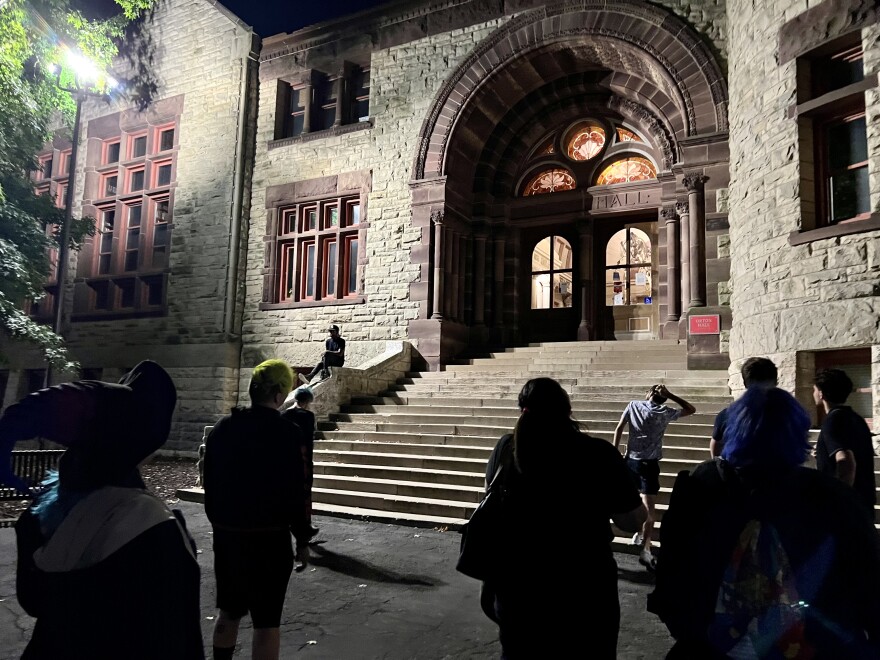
[35, 39]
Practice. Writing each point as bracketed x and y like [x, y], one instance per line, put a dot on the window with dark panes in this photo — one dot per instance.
[46, 168]
[360, 94]
[324, 116]
[832, 125]
[166, 139]
[317, 250]
[131, 246]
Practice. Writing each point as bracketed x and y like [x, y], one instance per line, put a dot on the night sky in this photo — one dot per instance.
[270, 17]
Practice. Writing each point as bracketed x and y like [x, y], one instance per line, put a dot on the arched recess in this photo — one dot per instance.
[627, 61]
[661, 56]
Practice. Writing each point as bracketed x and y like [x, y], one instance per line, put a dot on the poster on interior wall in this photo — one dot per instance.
[641, 279]
[618, 298]
[704, 324]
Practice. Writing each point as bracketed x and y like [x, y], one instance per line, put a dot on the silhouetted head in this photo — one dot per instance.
[766, 427]
[270, 383]
[832, 385]
[303, 395]
[545, 417]
[759, 371]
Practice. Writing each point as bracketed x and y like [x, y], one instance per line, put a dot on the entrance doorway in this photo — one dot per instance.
[551, 306]
[626, 269]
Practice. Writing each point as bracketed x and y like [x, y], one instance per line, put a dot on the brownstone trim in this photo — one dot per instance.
[813, 106]
[356, 300]
[834, 231]
[820, 24]
[614, 20]
[333, 131]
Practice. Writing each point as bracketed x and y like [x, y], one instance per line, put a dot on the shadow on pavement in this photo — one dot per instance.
[321, 556]
[635, 576]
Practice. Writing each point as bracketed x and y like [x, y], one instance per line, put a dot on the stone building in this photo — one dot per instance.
[474, 174]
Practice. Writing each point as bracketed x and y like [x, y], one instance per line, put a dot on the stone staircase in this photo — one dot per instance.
[417, 453]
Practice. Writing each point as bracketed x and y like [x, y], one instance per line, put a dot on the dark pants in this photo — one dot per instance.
[330, 360]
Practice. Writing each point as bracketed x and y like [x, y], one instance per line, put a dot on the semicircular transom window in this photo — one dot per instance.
[552, 273]
[631, 168]
[549, 181]
[586, 142]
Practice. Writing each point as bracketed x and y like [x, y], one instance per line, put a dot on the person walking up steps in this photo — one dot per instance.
[647, 420]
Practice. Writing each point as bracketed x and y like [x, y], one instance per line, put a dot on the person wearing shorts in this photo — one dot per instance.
[647, 420]
[254, 482]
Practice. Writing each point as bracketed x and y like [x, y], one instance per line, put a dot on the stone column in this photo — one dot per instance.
[439, 258]
[307, 91]
[341, 95]
[697, 230]
[673, 297]
[498, 291]
[585, 272]
[454, 250]
[681, 207]
[461, 298]
[479, 279]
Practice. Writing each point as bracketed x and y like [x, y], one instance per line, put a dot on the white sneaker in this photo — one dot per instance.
[637, 539]
[303, 379]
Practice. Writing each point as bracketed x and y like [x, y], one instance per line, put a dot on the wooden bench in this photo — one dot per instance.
[31, 465]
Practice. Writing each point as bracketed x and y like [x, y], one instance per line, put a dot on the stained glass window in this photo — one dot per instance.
[550, 181]
[552, 273]
[586, 142]
[631, 168]
[626, 135]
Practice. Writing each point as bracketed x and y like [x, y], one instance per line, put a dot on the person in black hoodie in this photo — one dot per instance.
[304, 419]
[104, 566]
[255, 498]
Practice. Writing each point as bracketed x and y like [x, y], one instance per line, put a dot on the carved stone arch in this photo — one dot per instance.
[671, 50]
[639, 114]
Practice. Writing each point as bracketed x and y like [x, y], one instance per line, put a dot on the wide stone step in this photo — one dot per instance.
[424, 462]
[419, 489]
[394, 503]
[448, 477]
[585, 388]
[403, 437]
[578, 402]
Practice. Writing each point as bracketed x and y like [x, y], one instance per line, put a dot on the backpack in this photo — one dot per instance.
[758, 613]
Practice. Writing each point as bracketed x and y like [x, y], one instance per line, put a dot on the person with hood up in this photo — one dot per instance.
[104, 566]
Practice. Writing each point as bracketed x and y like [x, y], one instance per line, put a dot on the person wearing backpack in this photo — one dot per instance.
[764, 558]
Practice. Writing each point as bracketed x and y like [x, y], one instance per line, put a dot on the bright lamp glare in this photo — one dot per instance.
[83, 67]
[112, 83]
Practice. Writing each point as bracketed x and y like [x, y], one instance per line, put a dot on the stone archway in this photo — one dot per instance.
[652, 68]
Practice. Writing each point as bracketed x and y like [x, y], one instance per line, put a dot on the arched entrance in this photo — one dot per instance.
[541, 133]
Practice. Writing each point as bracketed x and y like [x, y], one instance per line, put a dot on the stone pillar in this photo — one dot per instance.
[498, 291]
[697, 230]
[673, 297]
[307, 91]
[681, 207]
[439, 258]
[479, 279]
[340, 84]
[462, 280]
[454, 250]
[585, 272]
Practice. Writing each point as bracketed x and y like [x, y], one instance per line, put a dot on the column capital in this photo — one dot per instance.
[669, 213]
[682, 206]
[694, 181]
[437, 216]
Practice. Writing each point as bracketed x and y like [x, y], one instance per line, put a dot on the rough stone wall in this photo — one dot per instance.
[200, 53]
[404, 80]
[821, 295]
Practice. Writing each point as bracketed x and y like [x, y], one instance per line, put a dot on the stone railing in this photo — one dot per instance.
[367, 379]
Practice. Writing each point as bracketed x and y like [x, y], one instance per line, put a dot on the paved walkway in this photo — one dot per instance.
[373, 591]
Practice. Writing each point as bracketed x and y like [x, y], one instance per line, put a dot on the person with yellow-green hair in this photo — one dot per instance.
[255, 499]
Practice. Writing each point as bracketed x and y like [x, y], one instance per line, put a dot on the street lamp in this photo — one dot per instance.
[86, 75]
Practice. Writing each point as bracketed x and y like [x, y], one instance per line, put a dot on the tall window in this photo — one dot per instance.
[833, 134]
[133, 199]
[628, 268]
[317, 250]
[552, 273]
[630, 168]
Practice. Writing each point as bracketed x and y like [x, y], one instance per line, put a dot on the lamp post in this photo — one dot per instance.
[85, 72]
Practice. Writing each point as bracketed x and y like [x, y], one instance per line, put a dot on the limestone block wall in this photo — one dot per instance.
[201, 54]
[788, 299]
[404, 80]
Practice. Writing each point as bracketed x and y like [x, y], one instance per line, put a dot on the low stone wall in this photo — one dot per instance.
[367, 379]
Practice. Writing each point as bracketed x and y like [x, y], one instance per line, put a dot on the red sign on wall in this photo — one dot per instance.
[705, 324]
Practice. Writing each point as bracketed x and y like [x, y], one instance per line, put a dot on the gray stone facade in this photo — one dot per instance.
[460, 97]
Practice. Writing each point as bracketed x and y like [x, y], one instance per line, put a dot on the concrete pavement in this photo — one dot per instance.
[373, 591]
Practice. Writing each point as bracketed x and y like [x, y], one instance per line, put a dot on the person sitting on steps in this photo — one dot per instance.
[334, 356]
